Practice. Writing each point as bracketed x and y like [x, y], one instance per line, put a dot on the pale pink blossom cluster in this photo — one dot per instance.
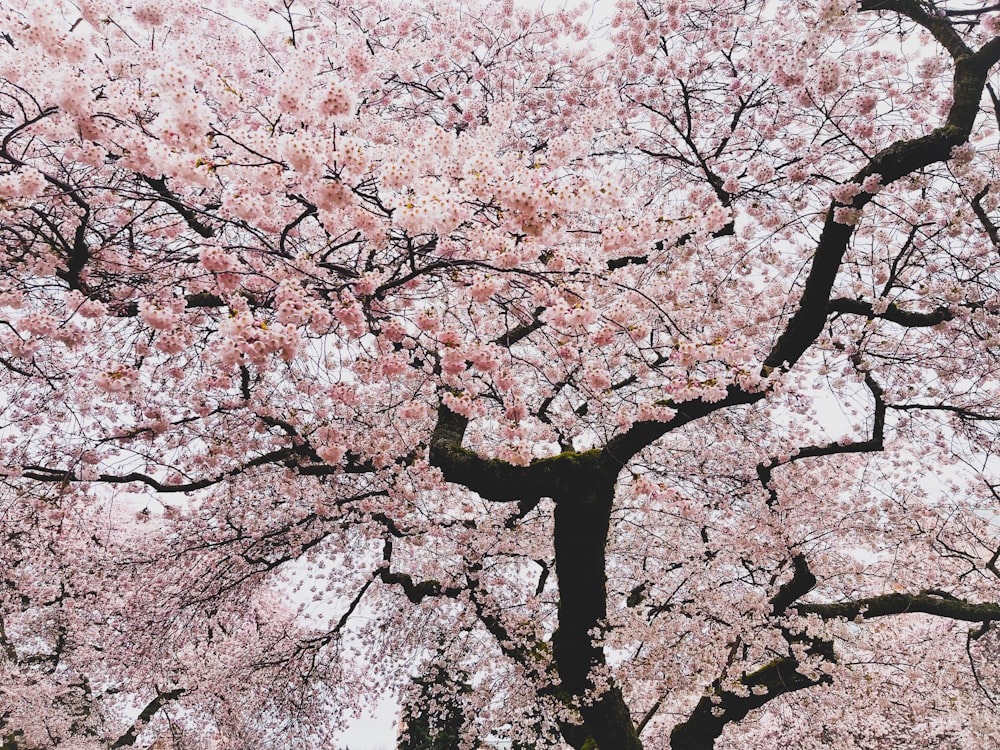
[116, 379]
[26, 182]
[46, 28]
[358, 58]
[845, 215]
[867, 102]
[352, 315]
[92, 308]
[328, 442]
[214, 258]
[828, 78]
[281, 243]
[872, 184]
[460, 403]
[428, 320]
[295, 307]
[330, 195]
[428, 206]
[399, 173]
[655, 413]
[38, 323]
[845, 193]
[13, 299]
[486, 357]
[336, 101]
[173, 342]
[20, 348]
[716, 217]
[788, 73]
[158, 316]
[151, 13]
[184, 118]
[256, 341]
[568, 315]
[305, 154]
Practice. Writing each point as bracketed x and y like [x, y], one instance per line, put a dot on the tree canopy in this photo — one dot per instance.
[639, 377]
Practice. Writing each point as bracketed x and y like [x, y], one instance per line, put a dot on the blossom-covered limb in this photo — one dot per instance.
[128, 739]
[885, 605]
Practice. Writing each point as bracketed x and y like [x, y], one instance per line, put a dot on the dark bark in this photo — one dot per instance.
[801, 583]
[892, 313]
[128, 739]
[714, 711]
[898, 604]
[622, 448]
[499, 481]
[582, 519]
[582, 485]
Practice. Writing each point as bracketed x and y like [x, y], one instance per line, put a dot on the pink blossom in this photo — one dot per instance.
[844, 215]
[335, 102]
[215, 259]
[38, 323]
[116, 379]
[156, 316]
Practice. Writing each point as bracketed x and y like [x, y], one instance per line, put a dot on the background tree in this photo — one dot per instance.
[434, 719]
[434, 716]
[654, 376]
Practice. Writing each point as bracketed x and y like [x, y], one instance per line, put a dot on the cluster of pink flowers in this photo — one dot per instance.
[38, 323]
[828, 78]
[845, 192]
[160, 317]
[26, 182]
[350, 313]
[845, 215]
[245, 337]
[116, 379]
[214, 258]
[172, 342]
[329, 444]
[335, 101]
[295, 307]
[716, 217]
[184, 117]
[578, 315]
[428, 206]
[150, 13]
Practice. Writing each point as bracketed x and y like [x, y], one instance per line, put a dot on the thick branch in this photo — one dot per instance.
[892, 313]
[494, 480]
[159, 184]
[415, 592]
[46, 474]
[722, 707]
[977, 199]
[960, 412]
[898, 604]
[939, 26]
[522, 331]
[128, 739]
[780, 676]
[875, 443]
[620, 449]
[801, 583]
[896, 161]
[497, 480]
[582, 521]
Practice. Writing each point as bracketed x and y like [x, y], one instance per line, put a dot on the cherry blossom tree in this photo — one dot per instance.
[642, 376]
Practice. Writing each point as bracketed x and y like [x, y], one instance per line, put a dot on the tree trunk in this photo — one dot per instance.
[582, 518]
